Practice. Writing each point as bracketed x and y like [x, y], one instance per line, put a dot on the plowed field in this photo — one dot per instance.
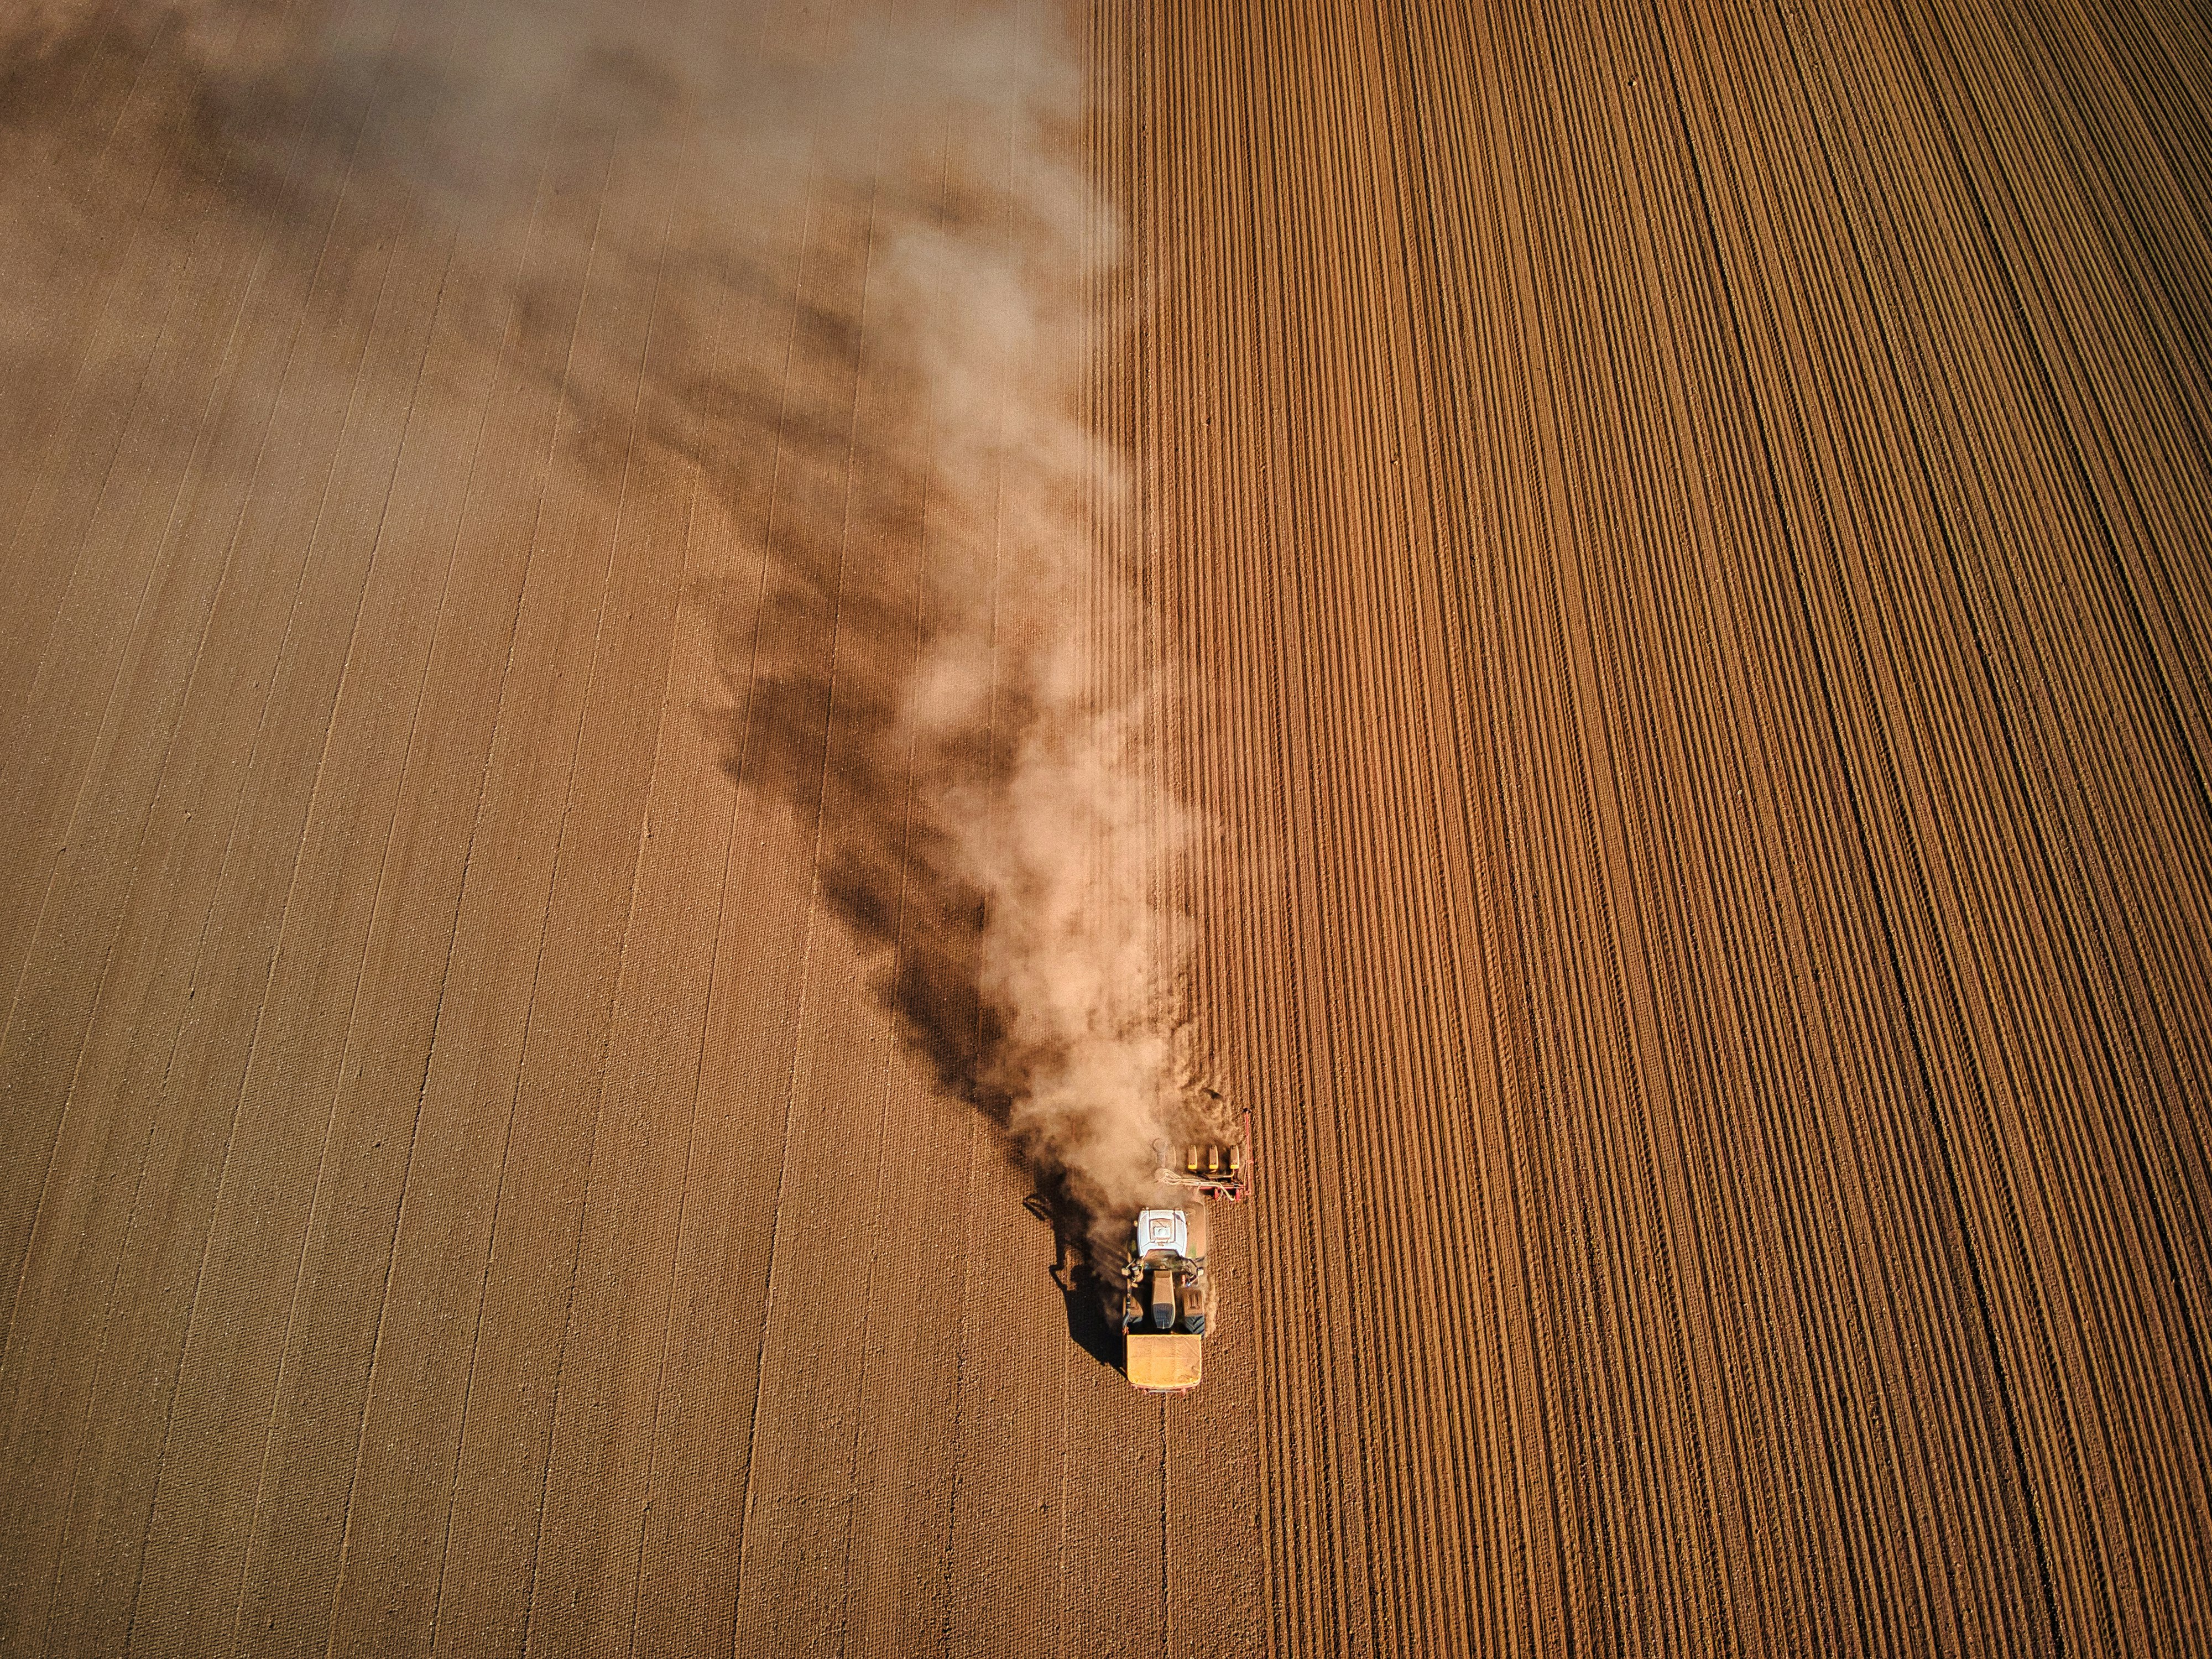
[1661, 562]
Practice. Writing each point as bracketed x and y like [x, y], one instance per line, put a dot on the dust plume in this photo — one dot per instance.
[934, 668]
[1010, 868]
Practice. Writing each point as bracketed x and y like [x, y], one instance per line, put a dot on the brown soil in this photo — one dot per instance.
[1671, 550]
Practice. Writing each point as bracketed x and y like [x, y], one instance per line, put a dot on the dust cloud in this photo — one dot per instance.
[920, 672]
[1007, 862]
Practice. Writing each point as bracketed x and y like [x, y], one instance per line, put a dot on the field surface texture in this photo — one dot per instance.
[1650, 569]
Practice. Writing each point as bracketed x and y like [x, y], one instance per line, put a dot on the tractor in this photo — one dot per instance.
[1165, 1296]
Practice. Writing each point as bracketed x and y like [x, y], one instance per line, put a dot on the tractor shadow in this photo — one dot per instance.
[1080, 1284]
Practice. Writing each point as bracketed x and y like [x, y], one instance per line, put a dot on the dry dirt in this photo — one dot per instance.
[1670, 552]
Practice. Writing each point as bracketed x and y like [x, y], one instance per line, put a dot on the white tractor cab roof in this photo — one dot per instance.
[1165, 1231]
